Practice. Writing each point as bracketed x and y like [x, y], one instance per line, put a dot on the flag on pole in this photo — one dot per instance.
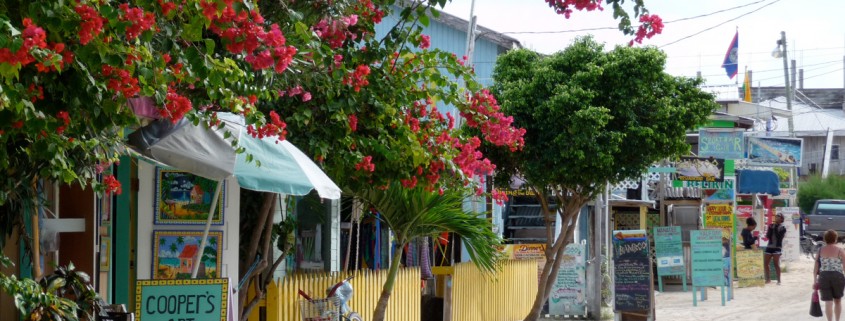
[732, 57]
[746, 88]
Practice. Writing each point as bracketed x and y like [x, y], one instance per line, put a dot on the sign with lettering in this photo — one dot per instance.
[706, 256]
[182, 300]
[749, 268]
[523, 251]
[669, 250]
[701, 169]
[721, 195]
[569, 293]
[632, 271]
[721, 143]
[728, 183]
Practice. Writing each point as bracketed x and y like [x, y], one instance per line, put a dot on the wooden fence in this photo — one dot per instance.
[282, 301]
[505, 296]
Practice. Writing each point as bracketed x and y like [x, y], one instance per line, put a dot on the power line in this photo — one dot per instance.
[757, 52]
[721, 23]
[616, 28]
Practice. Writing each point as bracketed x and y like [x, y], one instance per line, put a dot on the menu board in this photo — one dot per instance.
[749, 268]
[569, 293]
[631, 271]
[669, 250]
[706, 256]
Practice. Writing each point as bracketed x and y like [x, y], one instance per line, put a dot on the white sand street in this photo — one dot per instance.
[789, 301]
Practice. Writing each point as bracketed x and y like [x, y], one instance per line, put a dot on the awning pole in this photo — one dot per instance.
[201, 249]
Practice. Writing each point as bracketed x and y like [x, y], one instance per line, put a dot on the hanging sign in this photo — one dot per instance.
[182, 300]
[669, 250]
[721, 143]
[569, 292]
[701, 169]
[631, 271]
[774, 151]
[706, 257]
[722, 195]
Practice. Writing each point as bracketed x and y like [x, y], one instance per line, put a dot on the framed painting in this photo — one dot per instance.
[175, 254]
[105, 254]
[184, 198]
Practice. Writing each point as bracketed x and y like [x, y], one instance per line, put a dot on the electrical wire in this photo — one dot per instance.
[617, 28]
[721, 23]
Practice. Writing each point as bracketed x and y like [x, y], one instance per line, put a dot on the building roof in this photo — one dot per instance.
[498, 38]
[189, 251]
[807, 120]
[816, 97]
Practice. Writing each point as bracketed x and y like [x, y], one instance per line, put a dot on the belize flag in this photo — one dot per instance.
[732, 57]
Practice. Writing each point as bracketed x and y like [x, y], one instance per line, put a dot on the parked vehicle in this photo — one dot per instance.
[827, 214]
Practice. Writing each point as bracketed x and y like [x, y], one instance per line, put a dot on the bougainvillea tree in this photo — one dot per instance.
[365, 107]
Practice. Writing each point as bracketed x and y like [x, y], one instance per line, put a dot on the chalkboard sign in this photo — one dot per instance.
[706, 256]
[632, 271]
[669, 250]
[182, 300]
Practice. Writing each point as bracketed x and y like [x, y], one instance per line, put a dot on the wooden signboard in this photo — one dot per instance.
[182, 300]
[670, 254]
[749, 268]
[707, 261]
[631, 271]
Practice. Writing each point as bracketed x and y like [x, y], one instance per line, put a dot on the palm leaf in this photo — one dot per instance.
[412, 213]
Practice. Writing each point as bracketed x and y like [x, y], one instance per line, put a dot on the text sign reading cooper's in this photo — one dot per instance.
[182, 300]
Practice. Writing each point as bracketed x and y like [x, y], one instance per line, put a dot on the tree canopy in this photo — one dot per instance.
[592, 117]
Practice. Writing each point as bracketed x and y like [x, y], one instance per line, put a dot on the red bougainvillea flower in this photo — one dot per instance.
[92, 23]
[175, 106]
[121, 81]
[65, 118]
[425, 41]
[138, 19]
[650, 25]
[166, 6]
[358, 78]
[366, 164]
[112, 185]
[353, 122]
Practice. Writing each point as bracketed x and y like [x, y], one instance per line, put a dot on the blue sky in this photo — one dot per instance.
[815, 32]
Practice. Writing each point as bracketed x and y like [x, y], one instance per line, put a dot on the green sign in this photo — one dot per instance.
[182, 300]
[721, 143]
[706, 256]
[669, 251]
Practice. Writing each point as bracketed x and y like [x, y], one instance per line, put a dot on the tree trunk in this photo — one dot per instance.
[552, 266]
[266, 212]
[381, 306]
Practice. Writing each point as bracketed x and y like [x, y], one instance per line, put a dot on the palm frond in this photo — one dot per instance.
[413, 213]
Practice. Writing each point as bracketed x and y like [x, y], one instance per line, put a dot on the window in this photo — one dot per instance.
[834, 152]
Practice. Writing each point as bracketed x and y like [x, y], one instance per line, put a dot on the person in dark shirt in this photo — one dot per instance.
[748, 238]
[775, 234]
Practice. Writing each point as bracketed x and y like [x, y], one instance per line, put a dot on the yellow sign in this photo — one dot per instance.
[749, 268]
[523, 251]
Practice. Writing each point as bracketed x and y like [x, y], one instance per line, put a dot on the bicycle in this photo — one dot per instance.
[333, 307]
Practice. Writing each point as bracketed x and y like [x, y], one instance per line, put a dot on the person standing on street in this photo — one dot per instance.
[774, 234]
[830, 280]
[748, 239]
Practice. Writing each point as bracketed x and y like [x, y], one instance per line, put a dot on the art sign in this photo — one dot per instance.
[706, 256]
[182, 300]
[631, 271]
[722, 195]
[569, 292]
[774, 151]
[721, 143]
[184, 198]
[176, 253]
[669, 250]
[749, 268]
[701, 169]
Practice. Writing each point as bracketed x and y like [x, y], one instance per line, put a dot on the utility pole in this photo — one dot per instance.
[782, 43]
[471, 33]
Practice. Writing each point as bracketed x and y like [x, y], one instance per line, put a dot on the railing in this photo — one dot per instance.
[282, 301]
[505, 296]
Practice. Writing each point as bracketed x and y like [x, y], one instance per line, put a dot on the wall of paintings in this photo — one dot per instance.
[173, 207]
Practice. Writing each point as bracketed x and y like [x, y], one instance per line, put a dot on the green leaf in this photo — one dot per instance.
[209, 46]
[424, 20]
[14, 32]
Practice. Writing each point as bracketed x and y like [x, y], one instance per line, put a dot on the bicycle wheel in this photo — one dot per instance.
[353, 316]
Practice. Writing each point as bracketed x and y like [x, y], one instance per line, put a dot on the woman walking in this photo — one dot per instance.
[830, 279]
[774, 234]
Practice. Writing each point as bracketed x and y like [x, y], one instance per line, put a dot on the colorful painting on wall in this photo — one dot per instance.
[184, 198]
[175, 254]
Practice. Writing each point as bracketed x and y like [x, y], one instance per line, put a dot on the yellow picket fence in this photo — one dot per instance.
[505, 296]
[282, 301]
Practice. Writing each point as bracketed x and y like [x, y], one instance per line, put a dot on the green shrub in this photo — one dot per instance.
[816, 188]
